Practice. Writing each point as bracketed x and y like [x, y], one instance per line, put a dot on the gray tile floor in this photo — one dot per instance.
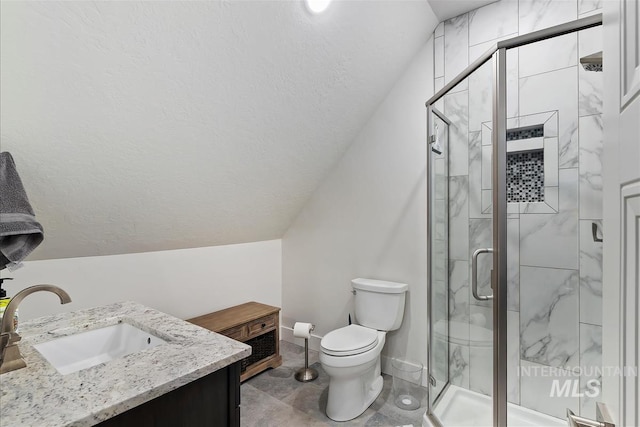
[275, 398]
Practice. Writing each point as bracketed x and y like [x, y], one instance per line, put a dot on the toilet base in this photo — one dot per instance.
[352, 391]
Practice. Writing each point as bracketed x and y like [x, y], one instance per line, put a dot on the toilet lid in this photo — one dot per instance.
[350, 340]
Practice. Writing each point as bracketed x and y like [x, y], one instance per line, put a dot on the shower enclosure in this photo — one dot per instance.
[513, 242]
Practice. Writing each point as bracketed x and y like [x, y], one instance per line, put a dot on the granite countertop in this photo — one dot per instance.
[40, 396]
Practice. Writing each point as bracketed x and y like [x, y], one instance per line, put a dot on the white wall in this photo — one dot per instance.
[368, 219]
[184, 283]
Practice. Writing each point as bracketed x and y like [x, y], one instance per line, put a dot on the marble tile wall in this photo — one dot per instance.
[555, 267]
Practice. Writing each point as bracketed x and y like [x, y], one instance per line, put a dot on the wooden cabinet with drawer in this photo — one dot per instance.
[254, 324]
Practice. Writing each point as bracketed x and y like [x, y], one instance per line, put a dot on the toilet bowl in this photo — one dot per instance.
[351, 355]
[354, 371]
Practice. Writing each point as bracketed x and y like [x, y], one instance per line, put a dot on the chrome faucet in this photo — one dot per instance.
[10, 357]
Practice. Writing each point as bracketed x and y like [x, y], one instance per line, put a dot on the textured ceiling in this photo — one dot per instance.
[445, 9]
[143, 126]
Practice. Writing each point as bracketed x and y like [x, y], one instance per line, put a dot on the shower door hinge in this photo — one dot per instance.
[432, 381]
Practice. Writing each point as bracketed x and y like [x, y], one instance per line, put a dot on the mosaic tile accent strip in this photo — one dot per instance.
[535, 131]
[525, 176]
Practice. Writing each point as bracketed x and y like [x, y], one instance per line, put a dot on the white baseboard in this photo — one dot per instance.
[286, 334]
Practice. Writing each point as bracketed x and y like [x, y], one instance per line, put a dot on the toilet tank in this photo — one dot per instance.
[379, 304]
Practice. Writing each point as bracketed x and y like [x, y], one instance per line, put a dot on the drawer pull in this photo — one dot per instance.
[259, 326]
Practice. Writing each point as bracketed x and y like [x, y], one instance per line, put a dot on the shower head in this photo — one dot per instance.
[592, 62]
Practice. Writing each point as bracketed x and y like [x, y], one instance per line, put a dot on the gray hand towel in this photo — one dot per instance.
[20, 233]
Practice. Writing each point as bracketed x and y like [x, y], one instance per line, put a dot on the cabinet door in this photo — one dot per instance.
[213, 400]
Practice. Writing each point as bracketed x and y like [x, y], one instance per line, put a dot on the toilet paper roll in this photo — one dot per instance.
[302, 330]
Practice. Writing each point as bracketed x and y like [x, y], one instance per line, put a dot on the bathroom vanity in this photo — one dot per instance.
[191, 378]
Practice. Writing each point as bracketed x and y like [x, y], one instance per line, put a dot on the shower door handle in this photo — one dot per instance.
[474, 274]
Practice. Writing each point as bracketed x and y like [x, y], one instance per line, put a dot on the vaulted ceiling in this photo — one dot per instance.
[445, 9]
[150, 125]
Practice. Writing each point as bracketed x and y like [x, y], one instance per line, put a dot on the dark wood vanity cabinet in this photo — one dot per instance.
[213, 400]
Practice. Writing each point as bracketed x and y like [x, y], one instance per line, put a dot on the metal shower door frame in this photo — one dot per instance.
[431, 111]
[498, 55]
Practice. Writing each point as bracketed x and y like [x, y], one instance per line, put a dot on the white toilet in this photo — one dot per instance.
[351, 355]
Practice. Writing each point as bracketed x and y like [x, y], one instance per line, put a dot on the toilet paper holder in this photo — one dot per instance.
[306, 374]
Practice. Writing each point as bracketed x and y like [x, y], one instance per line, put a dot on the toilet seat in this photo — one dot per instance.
[349, 340]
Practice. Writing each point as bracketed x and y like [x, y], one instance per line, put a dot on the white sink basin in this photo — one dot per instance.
[86, 349]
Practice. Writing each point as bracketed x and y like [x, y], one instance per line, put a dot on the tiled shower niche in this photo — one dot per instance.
[525, 176]
[532, 164]
[536, 131]
[525, 169]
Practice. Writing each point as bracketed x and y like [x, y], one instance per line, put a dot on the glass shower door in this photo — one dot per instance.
[514, 243]
[460, 241]
[438, 225]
